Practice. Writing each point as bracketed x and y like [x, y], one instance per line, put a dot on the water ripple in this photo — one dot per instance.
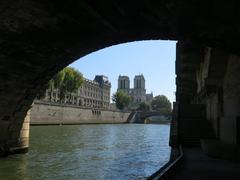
[100, 152]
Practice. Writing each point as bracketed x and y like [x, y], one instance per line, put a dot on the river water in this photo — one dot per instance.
[123, 151]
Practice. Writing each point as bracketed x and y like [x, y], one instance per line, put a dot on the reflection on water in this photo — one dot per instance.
[127, 151]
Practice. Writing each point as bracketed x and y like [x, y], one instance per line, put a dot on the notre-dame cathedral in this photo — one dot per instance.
[138, 92]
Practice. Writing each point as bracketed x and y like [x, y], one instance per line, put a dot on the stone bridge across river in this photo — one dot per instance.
[141, 116]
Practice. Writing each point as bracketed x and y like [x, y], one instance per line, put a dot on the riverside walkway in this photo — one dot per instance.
[195, 165]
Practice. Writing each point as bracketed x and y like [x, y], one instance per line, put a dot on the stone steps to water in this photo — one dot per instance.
[130, 117]
[192, 130]
[190, 142]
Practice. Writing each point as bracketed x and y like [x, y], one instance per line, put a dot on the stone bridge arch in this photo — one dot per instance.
[140, 116]
[39, 38]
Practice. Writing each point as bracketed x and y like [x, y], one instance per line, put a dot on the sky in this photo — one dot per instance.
[154, 59]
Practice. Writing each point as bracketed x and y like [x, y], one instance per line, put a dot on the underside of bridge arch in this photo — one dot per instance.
[38, 38]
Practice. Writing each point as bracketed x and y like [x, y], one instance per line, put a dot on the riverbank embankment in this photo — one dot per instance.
[45, 113]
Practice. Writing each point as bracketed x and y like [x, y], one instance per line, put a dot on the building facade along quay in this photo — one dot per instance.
[93, 93]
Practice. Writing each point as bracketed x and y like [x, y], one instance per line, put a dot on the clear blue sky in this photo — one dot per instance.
[154, 59]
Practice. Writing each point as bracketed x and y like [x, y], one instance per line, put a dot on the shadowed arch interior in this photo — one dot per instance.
[38, 38]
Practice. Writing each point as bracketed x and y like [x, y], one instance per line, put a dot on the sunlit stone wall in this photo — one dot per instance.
[48, 113]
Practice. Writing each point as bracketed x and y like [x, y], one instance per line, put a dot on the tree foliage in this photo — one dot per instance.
[143, 106]
[67, 80]
[161, 103]
[121, 99]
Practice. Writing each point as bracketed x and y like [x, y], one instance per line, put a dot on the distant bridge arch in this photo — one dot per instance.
[140, 116]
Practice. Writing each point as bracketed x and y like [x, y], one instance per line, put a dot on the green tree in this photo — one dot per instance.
[143, 106]
[68, 80]
[58, 78]
[161, 103]
[122, 99]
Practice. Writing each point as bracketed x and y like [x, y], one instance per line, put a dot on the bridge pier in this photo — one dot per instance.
[15, 136]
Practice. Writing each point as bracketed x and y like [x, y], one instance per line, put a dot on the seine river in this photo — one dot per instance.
[126, 151]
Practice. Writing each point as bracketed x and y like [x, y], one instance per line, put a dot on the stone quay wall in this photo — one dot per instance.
[44, 113]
